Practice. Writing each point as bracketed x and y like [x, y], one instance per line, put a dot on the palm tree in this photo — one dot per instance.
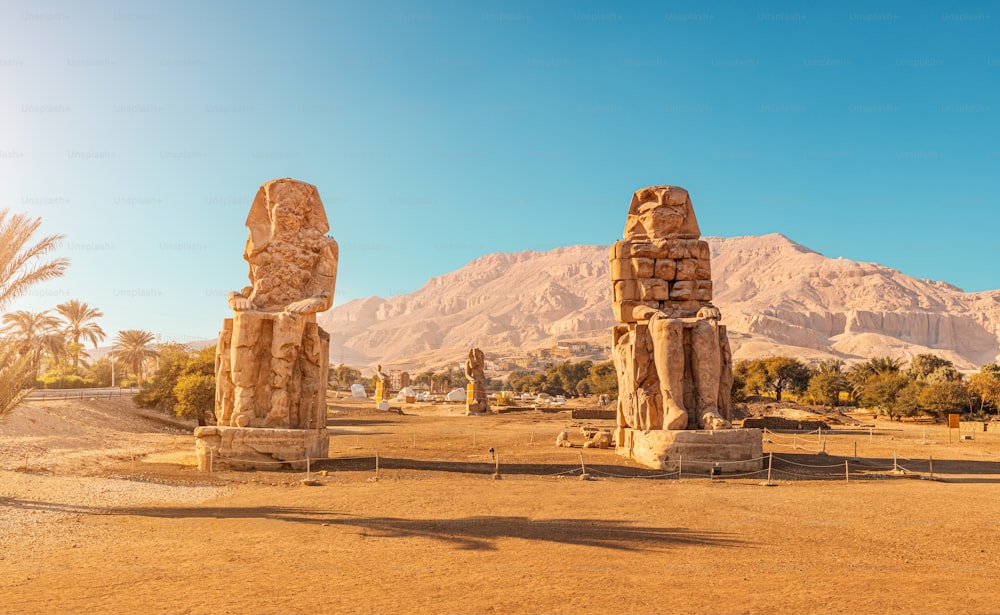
[14, 371]
[19, 268]
[34, 334]
[861, 373]
[136, 347]
[78, 316]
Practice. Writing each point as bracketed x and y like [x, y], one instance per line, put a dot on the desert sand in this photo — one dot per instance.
[103, 511]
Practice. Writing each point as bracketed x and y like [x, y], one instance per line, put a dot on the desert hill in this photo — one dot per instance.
[776, 297]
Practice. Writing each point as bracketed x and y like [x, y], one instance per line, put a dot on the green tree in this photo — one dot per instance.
[35, 334]
[22, 265]
[923, 365]
[344, 376]
[136, 348]
[985, 385]
[195, 394]
[827, 382]
[79, 317]
[602, 379]
[19, 257]
[907, 401]
[178, 363]
[943, 398]
[754, 376]
[787, 374]
[880, 391]
[859, 374]
[775, 374]
[14, 371]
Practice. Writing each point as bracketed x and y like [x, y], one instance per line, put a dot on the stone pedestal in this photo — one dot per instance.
[735, 450]
[259, 448]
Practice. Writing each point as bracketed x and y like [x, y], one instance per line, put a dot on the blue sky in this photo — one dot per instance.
[437, 132]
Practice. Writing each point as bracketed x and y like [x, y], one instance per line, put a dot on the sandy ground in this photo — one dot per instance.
[103, 511]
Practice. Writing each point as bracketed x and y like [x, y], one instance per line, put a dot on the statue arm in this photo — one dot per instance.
[319, 292]
[239, 300]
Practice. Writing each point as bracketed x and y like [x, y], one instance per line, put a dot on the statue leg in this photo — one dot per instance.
[668, 356]
[286, 343]
[707, 371]
[243, 365]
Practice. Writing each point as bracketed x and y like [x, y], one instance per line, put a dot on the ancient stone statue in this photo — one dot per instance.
[272, 357]
[671, 354]
[381, 385]
[477, 401]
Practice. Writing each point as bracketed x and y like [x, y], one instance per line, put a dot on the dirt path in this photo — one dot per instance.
[151, 534]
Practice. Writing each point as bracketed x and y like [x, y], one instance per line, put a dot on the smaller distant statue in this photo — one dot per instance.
[381, 385]
[476, 400]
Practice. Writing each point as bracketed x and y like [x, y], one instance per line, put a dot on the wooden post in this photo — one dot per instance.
[680, 466]
[855, 449]
[895, 465]
[583, 468]
[770, 461]
[532, 440]
[376, 465]
[497, 467]
[795, 441]
[847, 471]
[211, 460]
[308, 468]
[932, 465]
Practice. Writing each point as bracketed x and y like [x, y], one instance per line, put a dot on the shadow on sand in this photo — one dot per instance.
[468, 533]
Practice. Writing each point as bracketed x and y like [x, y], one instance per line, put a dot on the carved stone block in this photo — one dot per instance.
[682, 291]
[665, 269]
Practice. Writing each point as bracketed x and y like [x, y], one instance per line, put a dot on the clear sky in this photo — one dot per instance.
[437, 132]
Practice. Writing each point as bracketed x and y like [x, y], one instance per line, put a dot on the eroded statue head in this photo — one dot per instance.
[661, 212]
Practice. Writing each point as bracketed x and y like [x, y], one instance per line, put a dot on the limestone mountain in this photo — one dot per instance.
[776, 297]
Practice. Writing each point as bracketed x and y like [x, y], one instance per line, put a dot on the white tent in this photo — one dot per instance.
[358, 391]
[406, 392]
[455, 395]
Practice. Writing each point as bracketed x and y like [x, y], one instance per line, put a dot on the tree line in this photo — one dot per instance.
[929, 385]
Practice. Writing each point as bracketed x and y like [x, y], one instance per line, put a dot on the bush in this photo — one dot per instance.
[72, 381]
[195, 395]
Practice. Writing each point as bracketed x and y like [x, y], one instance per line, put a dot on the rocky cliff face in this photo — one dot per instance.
[776, 297]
